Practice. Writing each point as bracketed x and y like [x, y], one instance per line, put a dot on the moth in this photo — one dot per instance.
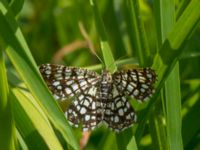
[99, 98]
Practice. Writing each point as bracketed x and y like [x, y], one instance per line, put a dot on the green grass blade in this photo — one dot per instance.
[172, 99]
[105, 47]
[141, 45]
[165, 19]
[16, 6]
[40, 93]
[107, 142]
[173, 109]
[171, 50]
[21, 142]
[33, 123]
[181, 30]
[132, 144]
[191, 122]
[157, 129]
[165, 22]
[185, 24]
[119, 63]
[7, 132]
[126, 140]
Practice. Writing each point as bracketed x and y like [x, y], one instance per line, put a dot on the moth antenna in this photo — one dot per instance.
[90, 44]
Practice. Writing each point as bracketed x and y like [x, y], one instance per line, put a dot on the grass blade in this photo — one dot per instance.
[189, 128]
[168, 56]
[7, 132]
[16, 6]
[126, 140]
[173, 109]
[165, 22]
[141, 45]
[33, 123]
[105, 47]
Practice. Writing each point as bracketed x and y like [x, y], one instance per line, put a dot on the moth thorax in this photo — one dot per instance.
[105, 85]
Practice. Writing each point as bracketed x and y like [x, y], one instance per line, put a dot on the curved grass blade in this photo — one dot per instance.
[7, 132]
[32, 122]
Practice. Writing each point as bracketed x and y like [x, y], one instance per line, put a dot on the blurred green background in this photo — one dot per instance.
[49, 26]
[164, 35]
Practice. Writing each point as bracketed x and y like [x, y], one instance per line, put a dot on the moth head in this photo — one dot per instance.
[106, 76]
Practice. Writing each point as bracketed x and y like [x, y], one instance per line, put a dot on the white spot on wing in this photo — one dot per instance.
[47, 72]
[86, 103]
[119, 104]
[56, 83]
[93, 105]
[83, 83]
[108, 112]
[136, 92]
[145, 86]
[83, 110]
[78, 107]
[92, 91]
[115, 92]
[81, 97]
[93, 117]
[59, 87]
[130, 88]
[69, 82]
[121, 112]
[116, 119]
[149, 76]
[68, 90]
[75, 87]
[85, 129]
[75, 102]
[87, 117]
[93, 124]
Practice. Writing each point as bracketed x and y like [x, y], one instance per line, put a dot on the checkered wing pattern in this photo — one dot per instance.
[137, 83]
[66, 82]
[119, 114]
[78, 85]
[97, 98]
[83, 110]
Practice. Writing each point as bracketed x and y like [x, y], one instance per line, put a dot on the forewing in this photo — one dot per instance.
[118, 114]
[66, 82]
[137, 83]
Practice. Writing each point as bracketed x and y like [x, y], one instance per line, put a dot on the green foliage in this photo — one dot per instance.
[162, 34]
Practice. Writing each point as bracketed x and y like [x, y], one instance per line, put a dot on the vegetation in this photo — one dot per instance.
[160, 34]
